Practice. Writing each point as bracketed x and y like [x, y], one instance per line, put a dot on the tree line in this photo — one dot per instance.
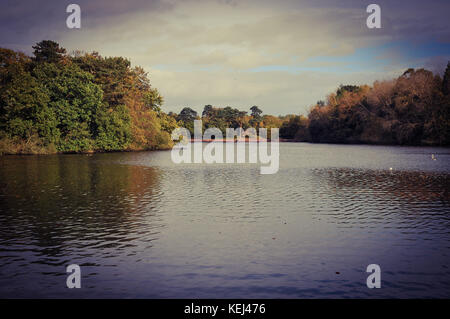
[413, 109]
[83, 102]
[56, 102]
[226, 117]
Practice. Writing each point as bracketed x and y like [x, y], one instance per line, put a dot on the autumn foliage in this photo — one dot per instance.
[413, 109]
[54, 102]
[83, 102]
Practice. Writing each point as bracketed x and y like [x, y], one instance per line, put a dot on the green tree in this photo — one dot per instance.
[187, 117]
[256, 116]
[48, 51]
[23, 100]
[208, 111]
[74, 100]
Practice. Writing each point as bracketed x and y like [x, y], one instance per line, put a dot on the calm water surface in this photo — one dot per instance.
[141, 226]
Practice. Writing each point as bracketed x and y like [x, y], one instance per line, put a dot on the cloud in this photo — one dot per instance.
[283, 55]
[229, 36]
[276, 92]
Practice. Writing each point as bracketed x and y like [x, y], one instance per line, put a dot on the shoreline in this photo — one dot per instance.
[91, 152]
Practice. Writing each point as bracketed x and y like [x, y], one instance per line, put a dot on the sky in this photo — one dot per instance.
[280, 55]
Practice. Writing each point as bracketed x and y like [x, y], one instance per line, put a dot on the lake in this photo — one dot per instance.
[141, 226]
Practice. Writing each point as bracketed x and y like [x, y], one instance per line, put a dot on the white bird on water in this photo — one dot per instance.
[433, 157]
